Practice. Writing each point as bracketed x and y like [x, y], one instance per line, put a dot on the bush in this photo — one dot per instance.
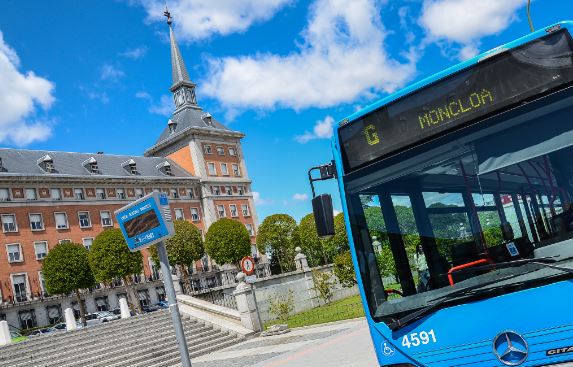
[282, 305]
[344, 269]
[323, 285]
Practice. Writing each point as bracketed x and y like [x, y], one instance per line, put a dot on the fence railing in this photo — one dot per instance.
[217, 297]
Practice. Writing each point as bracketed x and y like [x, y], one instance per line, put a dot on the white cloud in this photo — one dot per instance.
[467, 21]
[322, 130]
[111, 73]
[341, 58]
[143, 95]
[300, 197]
[21, 96]
[259, 200]
[165, 106]
[98, 96]
[201, 19]
[336, 212]
[134, 53]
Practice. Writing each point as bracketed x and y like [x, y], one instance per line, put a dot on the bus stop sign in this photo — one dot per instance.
[146, 221]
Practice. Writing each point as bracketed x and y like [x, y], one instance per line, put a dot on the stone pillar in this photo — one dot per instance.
[176, 285]
[300, 260]
[5, 337]
[247, 304]
[70, 319]
[124, 308]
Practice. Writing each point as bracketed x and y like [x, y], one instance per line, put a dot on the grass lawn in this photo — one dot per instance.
[347, 308]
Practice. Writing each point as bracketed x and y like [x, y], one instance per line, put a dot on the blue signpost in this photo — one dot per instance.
[145, 222]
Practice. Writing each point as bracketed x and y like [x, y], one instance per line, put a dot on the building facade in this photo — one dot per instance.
[49, 197]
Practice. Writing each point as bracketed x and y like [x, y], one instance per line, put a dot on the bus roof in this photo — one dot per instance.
[453, 69]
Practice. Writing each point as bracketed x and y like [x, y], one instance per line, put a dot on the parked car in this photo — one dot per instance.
[148, 309]
[162, 304]
[100, 317]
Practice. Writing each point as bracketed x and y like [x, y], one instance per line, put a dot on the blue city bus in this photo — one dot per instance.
[457, 193]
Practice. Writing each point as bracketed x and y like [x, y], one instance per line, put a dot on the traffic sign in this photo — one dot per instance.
[146, 221]
[248, 265]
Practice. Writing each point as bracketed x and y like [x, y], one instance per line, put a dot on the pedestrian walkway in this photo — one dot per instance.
[338, 344]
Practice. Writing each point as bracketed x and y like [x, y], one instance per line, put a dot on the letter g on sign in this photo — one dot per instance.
[371, 135]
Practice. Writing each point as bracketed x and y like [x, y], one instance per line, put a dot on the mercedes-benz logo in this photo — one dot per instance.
[510, 348]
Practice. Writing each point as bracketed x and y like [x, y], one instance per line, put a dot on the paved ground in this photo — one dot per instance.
[339, 344]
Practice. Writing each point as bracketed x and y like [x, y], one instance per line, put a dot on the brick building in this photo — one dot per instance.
[48, 197]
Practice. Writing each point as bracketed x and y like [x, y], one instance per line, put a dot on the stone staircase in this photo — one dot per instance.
[141, 341]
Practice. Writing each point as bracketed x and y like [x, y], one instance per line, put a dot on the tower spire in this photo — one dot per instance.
[183, 88]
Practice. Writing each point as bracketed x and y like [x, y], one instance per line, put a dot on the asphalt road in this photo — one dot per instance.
[339, 344]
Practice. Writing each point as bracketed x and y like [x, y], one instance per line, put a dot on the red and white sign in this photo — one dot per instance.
[248, 265]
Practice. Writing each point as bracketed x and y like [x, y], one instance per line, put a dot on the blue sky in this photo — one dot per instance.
[93, 75]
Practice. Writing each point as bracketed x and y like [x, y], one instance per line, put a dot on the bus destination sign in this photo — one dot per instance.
[491, 85]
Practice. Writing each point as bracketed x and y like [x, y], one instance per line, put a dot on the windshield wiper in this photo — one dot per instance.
[544, 261]
[403, 321]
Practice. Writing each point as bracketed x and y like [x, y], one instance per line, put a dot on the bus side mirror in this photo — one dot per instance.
[323, 215]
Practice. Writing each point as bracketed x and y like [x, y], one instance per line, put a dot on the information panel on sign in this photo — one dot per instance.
[493, 84]
[146, 221]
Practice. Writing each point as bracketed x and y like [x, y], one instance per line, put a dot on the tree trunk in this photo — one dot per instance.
[131, 294]
[82, 308]
[185, 279]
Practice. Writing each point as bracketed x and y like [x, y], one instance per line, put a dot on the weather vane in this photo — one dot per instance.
[168, 15]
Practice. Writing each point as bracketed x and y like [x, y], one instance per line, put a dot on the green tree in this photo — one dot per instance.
[66, 269]
[275, 238]
[344, 269]
[184, 248]
[338, 244]
[227, 241]
[110, 258]
[307, 238]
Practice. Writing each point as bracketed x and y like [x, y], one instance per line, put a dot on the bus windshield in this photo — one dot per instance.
[426, 223]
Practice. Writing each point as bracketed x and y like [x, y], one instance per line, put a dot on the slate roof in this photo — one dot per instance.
[23, 162]
[178, 69]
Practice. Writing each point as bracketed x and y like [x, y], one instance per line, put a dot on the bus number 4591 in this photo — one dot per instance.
[416, 339]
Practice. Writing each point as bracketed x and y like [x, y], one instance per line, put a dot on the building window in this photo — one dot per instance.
[41, 249]
[195, 214]
[207, 149]
[211, 167]
[224, 169]
[174, 194]
[79, 194]
[14, 251]
[139, 193]
[105, 219]
[4, 194]
[54, 314]
[191, 193]
[102, 304]
[56, 194]
[66, 240]
[233, 210]
[236, 170]
[250, 229]
[100, 194]
[215, 190]
[245, 210]
[19, 282]
[85, 221]
[220, 151]
[232, 151]
[36, 222]
[88, 242]
[61, 220]
[27, 319]
[156, 190]
[228, 190]
[42, 283]
[242, 190]
[221, 211]
[179, 214]
[120, 193]
[9, 223]
[31, 194]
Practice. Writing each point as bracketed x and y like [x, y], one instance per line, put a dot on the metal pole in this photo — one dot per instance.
[173, 308]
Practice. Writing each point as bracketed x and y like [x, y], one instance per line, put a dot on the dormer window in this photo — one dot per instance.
[92, 166]
[46, 163]
[165, 168]
[207, 119]
[172, 126]
[131, 167]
